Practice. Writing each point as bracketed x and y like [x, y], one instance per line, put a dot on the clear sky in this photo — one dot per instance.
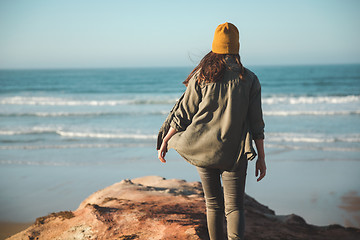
[147, 33]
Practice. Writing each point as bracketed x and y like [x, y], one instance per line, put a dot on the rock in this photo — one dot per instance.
[155, 208]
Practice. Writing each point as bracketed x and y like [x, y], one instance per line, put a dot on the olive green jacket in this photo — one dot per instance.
[216, 122]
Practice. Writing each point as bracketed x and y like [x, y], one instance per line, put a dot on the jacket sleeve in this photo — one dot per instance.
[188, 106]
[255, 115]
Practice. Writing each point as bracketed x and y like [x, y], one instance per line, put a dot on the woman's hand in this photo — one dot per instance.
[162, 151]
[164, 146]
[260, 162]
[260, 167]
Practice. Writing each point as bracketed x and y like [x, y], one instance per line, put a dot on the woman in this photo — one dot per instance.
[212, 129]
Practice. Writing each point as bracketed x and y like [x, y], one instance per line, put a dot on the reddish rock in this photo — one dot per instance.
[156, 208]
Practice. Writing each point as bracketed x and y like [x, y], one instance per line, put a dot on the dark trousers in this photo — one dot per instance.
[228, 202]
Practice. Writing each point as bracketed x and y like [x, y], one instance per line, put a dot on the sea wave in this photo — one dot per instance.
[315, 148]
[71, 134]
[144, 113]
[50, 101]
[137, 145]
[312, 138]
[314, 113]
[105, 135]
[311, 99]
[80, 114]
[35, 130]
[283, 137]
[269, 100]
[69, 146]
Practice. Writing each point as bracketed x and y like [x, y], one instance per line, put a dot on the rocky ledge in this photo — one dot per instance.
[155, 208]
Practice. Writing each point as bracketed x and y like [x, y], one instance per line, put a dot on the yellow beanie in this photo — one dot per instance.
[226, 39]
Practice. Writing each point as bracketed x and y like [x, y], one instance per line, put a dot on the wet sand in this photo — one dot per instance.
[322, 192]
[10, 228]
[351, 204]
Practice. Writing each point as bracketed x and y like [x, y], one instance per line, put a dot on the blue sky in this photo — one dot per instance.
[116, 33]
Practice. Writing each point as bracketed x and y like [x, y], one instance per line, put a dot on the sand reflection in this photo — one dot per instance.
[350, 202]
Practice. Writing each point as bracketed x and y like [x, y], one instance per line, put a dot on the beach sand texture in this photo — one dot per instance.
[8, 229]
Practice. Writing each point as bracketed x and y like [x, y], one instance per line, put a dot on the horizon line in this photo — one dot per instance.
[178, 66]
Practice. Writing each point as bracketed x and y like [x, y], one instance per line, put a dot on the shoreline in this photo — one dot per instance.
[350, 203]
[153, 206]
[319, 187]
[8, 229]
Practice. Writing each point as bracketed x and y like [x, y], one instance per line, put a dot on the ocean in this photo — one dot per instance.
[67, 133]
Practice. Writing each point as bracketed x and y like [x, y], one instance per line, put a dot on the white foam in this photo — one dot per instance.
[311, 100]
[50, 101]
[315, 113]
[271, 100]
[315, 148]
[79, 114]
[312, 138]
[72, 134]
[33, 130]
[104, 135]
[69, 146]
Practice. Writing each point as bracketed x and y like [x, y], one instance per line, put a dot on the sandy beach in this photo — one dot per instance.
[322, 192]
[8, 229]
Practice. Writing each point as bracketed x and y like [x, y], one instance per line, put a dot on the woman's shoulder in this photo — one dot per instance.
[251, 77]
[249, 73]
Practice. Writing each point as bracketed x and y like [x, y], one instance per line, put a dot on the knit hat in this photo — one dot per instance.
[226, 39]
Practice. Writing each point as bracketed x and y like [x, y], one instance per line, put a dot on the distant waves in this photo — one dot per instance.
[274, 105]
[48, 130]
[67, 116]
[99, 114]
[80, 114]
[271, 136]
[50, 101]
[273, 99]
